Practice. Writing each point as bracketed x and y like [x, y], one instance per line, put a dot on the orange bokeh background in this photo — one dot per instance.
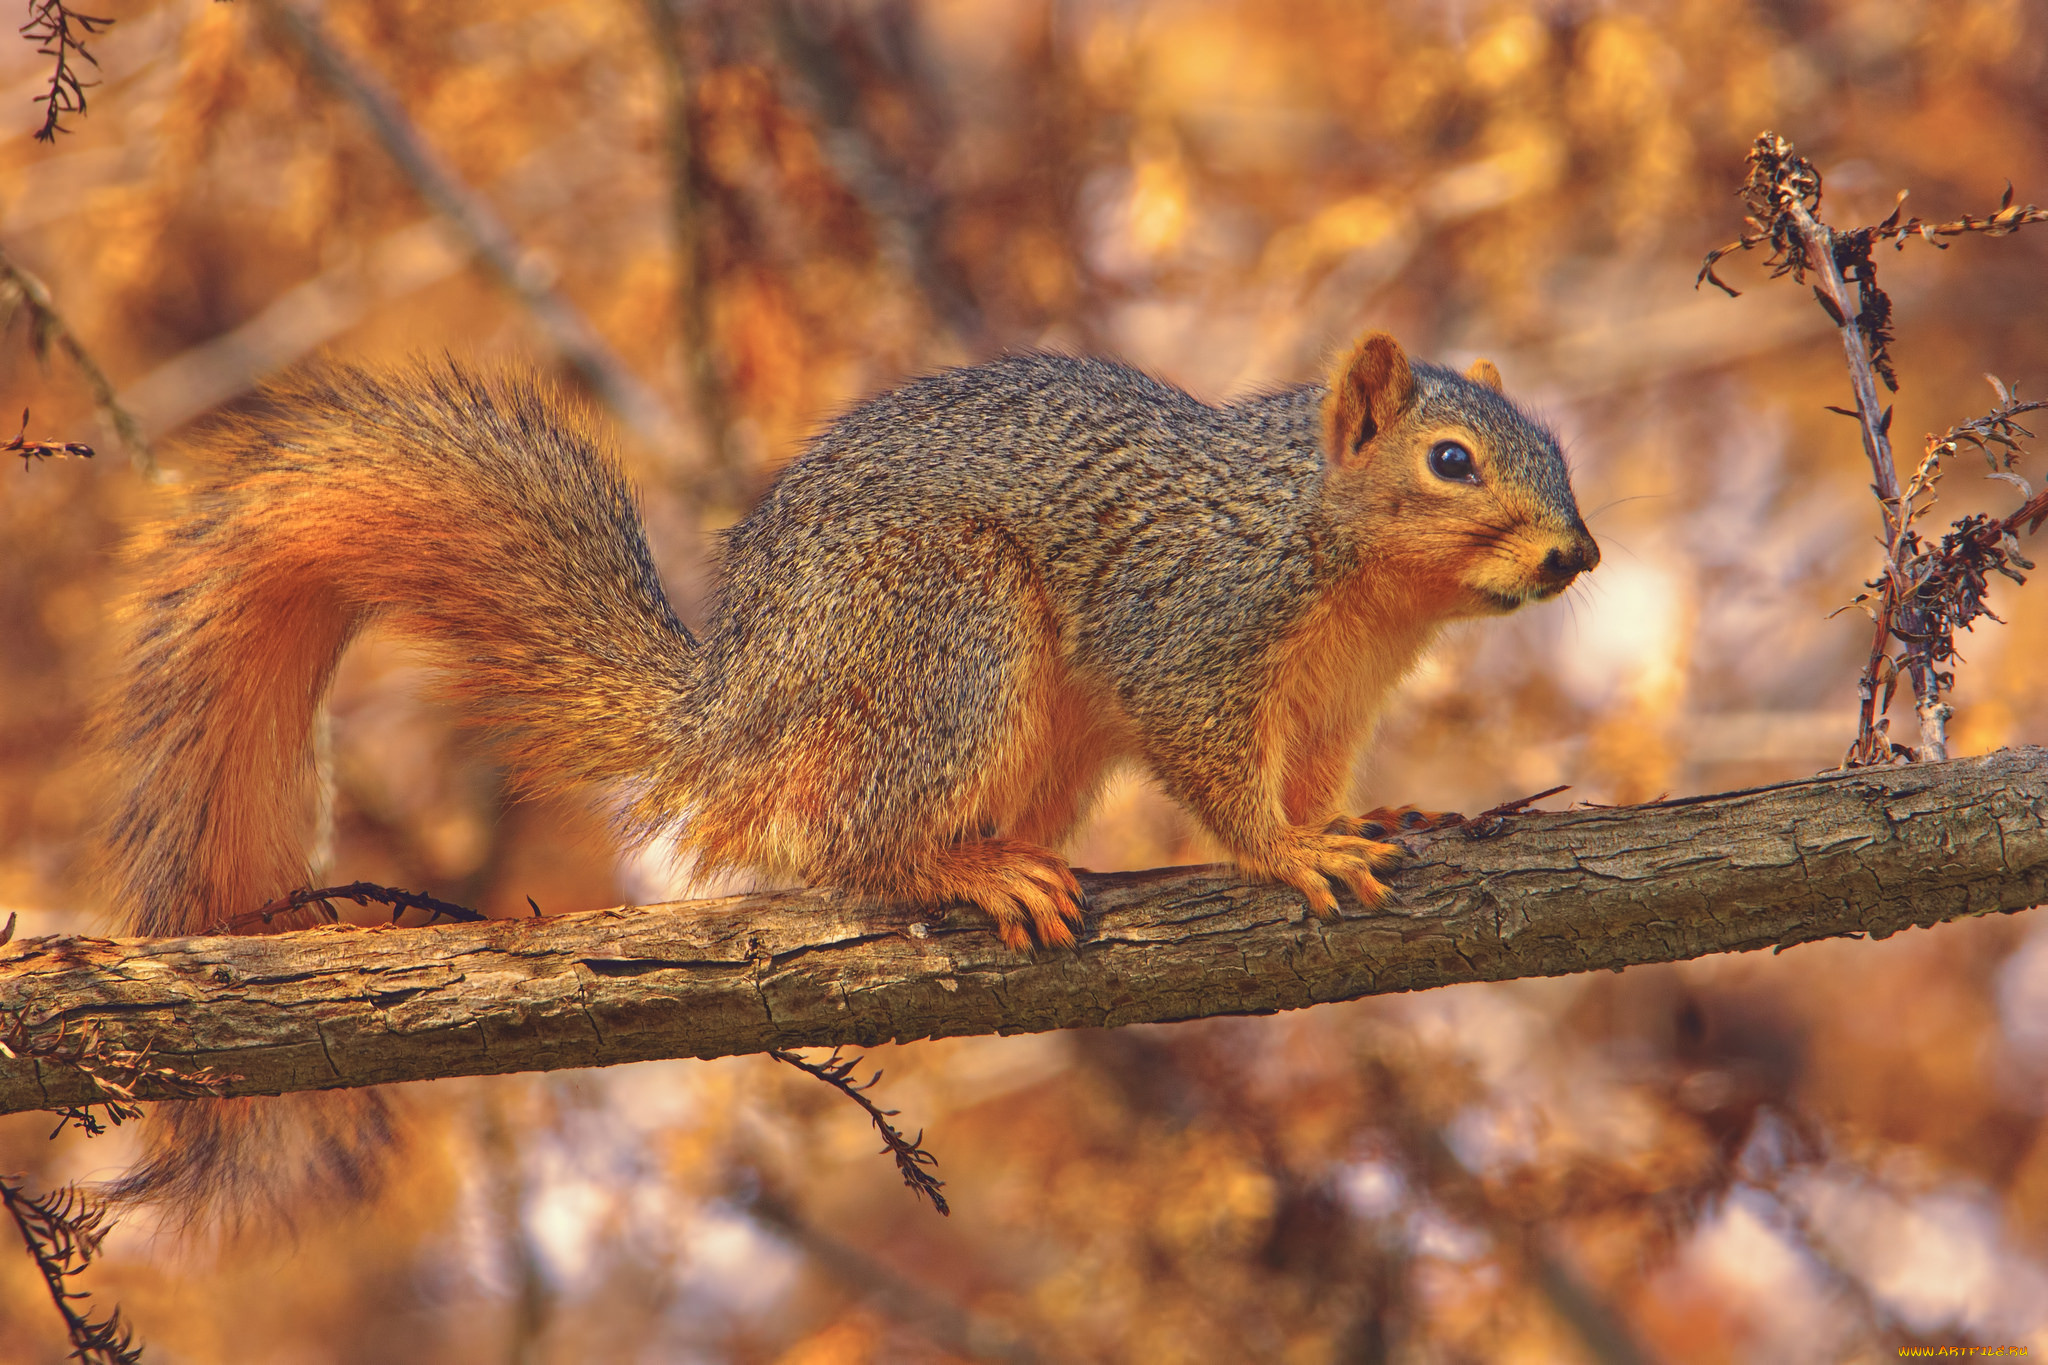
[1825, 1154]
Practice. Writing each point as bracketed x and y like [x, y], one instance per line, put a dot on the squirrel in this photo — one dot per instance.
[942, 626]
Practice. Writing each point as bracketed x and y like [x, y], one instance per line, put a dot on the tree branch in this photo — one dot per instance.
[905, 214]
[21, 289]
[724, 480]
[1869, 851]
[564, 325]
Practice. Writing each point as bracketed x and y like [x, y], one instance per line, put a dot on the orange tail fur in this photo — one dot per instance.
[459, 511]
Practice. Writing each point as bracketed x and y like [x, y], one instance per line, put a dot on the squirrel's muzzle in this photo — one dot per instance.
[1563, 563]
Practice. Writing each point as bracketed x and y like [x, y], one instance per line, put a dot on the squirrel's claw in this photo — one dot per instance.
[1029, 892]
[1308, 861]
[1383, 821]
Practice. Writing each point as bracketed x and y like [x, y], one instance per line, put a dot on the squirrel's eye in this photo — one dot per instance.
[1449, 460]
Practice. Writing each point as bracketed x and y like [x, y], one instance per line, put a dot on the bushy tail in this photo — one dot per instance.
[474, 515]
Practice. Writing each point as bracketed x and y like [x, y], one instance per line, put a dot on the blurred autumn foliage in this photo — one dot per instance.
[1824, 1155]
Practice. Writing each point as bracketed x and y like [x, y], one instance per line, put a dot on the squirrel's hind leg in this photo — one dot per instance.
[927, 752]
[1029, 892]
[1035, 785]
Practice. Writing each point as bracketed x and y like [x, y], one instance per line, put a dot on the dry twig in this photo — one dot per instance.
[1922, 596]
[1385, 824]
[63, 1231]
[31, 451]
[566, 327]
[1494, 820]
[911, 1157]
[22, 291]
[116, 1073]
[362, 893]
[60, 32]
[1942, 586]
[725, 476]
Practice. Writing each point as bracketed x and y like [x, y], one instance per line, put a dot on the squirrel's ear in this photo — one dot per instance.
[1368, 392]
[1485, 372]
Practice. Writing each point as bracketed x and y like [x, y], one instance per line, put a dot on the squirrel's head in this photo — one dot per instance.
[1441, 477]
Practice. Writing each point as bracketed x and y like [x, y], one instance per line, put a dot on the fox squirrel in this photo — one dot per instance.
[938, 631]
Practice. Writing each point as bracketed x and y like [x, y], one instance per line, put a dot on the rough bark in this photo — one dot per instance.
[1869, 852]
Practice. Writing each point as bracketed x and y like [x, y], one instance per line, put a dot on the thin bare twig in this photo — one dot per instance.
[31, 451]
[725, 475]
[1488, 823]
[1386, 823]
[63, 1231]
[1942, 586]
[116, 1073]
[19, 289]
[905, 214]
[61, 32]
[1922, 595]
[565, 326]
[911, 1157]
[362, 893]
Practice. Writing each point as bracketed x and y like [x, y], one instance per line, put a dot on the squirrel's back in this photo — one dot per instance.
[1056, 445]
[1116, 489]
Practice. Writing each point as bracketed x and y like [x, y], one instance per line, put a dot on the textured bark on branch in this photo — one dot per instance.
[1870, 851]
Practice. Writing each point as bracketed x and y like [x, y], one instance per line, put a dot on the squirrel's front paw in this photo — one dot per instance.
[1308, 860]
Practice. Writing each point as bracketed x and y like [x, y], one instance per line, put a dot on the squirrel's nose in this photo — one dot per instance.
[1561, 566]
